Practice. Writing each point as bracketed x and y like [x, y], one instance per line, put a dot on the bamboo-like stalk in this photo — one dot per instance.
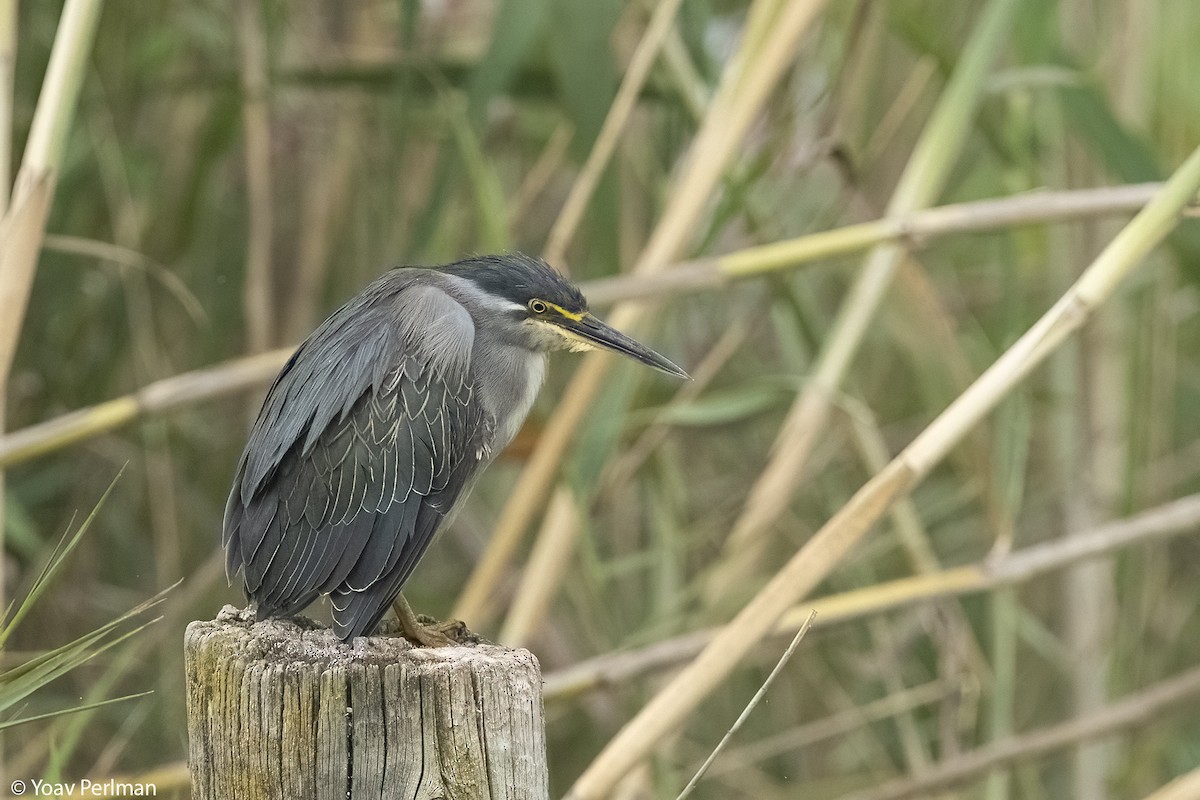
[746, 84]
[921, 182]
[914, 229]
[228, 377]
[548, 563]
[610, 132]
[1173, 694]
[1004, 611]
[257, 306]
[1185, 787]
[1176, 518]
[955, 633]
[554, 545]
[24, 222]
[820, 555]
[178, 391]
[1089, 433]
[22, 228]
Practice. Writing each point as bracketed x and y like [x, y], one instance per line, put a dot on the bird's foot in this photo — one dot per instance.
[428, 632]
[425, 631]
[426, 636]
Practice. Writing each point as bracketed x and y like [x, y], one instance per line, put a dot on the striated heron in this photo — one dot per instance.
[377, 426]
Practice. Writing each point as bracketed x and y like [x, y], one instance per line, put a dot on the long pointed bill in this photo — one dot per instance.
[592, 331]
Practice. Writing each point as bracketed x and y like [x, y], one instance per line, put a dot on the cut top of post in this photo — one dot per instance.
[282, 708]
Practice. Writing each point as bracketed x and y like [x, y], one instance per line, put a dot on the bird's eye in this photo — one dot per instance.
[537, 306]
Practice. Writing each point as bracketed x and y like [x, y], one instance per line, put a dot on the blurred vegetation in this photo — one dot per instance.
[412, 132]
[33, 674]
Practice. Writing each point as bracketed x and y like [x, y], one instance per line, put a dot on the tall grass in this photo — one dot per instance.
[838, 216]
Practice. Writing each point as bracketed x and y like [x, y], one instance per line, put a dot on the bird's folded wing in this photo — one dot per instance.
[365, 442]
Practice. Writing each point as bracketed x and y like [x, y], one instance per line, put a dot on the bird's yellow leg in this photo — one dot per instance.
[434, 634]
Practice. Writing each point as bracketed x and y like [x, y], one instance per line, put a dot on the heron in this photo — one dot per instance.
[374, 431]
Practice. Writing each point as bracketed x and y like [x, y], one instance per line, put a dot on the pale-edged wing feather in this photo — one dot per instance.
[366, 441]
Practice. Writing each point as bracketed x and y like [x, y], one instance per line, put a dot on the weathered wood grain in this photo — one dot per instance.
[278, 709]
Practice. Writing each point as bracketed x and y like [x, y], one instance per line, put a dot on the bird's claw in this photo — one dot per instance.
[425, 631]
[428, 632]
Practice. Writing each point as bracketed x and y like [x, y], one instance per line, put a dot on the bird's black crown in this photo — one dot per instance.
[520, 278]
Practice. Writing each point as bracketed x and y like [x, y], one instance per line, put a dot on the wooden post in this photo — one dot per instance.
[281, 710]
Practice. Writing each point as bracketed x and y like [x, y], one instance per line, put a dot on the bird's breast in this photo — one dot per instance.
[508, 380]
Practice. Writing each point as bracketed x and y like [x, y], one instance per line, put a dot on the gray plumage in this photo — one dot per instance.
[374, 430]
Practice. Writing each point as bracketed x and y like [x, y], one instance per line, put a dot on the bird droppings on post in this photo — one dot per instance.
[283, 708]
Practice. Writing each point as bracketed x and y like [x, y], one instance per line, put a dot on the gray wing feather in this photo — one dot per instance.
[367, 439]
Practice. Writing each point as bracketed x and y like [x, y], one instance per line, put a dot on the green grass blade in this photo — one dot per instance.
[55, 563]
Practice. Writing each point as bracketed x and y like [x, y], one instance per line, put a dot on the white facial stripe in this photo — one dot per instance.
[487, 300]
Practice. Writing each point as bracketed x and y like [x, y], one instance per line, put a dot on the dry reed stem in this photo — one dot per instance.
[738, 101]
[906, 520]
[1173, 694]
[552, 553]
[177, 391]
[913, 229]
[21, 232]
[74, 427]
[919, 79]
[921, 182]
[818, 557]
[128, 257]
[619, 112]
[840, 724]
[529, 494]
[754, 701]
[773, 34]
[1092, 449]
[22, 228]
[544, 170]
[637, 785]
[1175, 518]
[23, 223]
[257, 306]
[955, 634]
[683, 74]
[554, 544]
[672, 705]
[932, 333]
[622, 468]
[1185, 787]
